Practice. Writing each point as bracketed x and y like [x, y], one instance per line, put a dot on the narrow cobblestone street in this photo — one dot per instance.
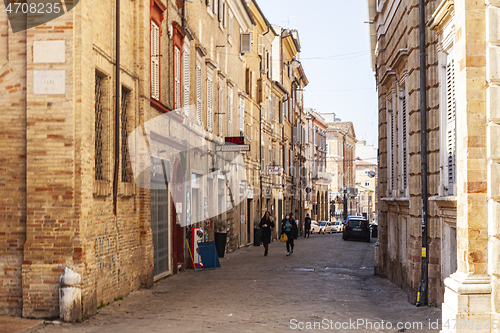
[325, 278]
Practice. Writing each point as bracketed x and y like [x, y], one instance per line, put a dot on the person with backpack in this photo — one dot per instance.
[307, 226]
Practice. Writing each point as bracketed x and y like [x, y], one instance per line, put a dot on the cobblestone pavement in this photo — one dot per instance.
[325, 281]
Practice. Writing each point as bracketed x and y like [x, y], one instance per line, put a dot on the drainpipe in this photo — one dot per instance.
[423, 290]
[117, 108]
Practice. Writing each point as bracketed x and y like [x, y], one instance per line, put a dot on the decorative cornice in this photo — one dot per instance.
[442, 14]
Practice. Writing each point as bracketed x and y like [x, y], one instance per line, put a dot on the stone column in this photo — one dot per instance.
[468, 291]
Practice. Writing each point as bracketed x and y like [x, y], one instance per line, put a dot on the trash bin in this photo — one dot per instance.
[257, 236]
[375, 231]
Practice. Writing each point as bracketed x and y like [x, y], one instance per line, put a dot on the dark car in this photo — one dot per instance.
[356, 227]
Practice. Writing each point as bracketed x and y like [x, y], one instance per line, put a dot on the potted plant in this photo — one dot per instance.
[257, 233]
[220, 236]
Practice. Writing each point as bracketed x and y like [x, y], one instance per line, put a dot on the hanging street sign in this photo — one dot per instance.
[232, 147]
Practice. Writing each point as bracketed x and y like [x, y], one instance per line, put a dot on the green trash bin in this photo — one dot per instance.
[257, 236]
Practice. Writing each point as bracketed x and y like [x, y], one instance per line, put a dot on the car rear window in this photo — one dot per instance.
[357, 223]
[322, 224]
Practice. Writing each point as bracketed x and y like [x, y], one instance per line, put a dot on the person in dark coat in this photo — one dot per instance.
[288, 228]
[307, 226]
[266, 225]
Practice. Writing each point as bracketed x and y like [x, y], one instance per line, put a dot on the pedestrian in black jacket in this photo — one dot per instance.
[266, 225]
[307, 225]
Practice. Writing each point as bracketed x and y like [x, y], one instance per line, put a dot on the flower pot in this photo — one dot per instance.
[220, 243]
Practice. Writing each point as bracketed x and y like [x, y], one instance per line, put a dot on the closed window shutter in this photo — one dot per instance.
[270, 110]
[263, 60]
[186, 82]
[281, 112]
[230, 111]
[221, 10]
[450, 121]
[285, 159]
[393, 155]
[210, 111]
[198, 94]
[177, 78]
[405, 142]
[262, 157]
[273, 103]
[230, 26]
[155, 61]
[291, 162]
[221, 119]
[242, 114]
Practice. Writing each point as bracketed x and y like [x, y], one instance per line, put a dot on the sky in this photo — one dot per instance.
[335, 54]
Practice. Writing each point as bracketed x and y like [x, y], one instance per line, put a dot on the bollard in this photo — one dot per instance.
[70, 296]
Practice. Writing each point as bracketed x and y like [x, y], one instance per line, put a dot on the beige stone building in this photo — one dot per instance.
[366, 180]
[318, 180]
[462, 154]
[340, 158]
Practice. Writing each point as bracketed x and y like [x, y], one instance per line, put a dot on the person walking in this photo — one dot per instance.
[266, 225]
[288, 229]
[307, 226]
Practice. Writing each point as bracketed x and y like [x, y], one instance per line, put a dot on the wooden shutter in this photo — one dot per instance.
[221, 10]
[246, 42]
[393, 146]
[210, 111]
[186, 82]
[404, 118]
[263, 60]
[450, 122]
[198, 94]
[221, 119]
[242, 114]
[155, 61]
[177, 78]
[229, 111]
[230, 26]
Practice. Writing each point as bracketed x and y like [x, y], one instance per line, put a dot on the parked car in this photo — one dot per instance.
[326, 227]
[337, 226]
[315, 227]
[356, 227]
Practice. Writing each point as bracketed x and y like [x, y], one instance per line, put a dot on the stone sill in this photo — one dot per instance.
[126, 189]
[102, 188]
[392, 199]
[447, 201]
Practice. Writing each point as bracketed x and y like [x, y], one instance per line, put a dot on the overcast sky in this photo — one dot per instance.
[335, 55]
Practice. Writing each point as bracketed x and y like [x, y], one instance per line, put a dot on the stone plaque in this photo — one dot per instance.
[49, 51]
[49, 82]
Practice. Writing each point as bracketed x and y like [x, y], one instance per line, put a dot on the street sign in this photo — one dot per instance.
[273, 170]
[232, 147]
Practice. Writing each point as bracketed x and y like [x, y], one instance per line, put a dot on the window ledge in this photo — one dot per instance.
[159, 106]
[102, 188]
[395, 199]
[126, 189]
[444, 201]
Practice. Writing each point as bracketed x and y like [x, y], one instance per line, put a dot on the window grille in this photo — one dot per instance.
[99, 127]
[126, 168]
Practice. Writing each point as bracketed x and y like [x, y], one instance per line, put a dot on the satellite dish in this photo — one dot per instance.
[371, 173]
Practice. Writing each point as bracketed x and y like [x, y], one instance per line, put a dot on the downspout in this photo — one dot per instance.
[117, 108]
[422, 295]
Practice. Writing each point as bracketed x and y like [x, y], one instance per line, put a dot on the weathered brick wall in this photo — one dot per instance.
[12, 165]
[49, 201]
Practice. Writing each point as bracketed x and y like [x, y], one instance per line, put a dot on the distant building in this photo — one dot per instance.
[366, 180]
[340, 157]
